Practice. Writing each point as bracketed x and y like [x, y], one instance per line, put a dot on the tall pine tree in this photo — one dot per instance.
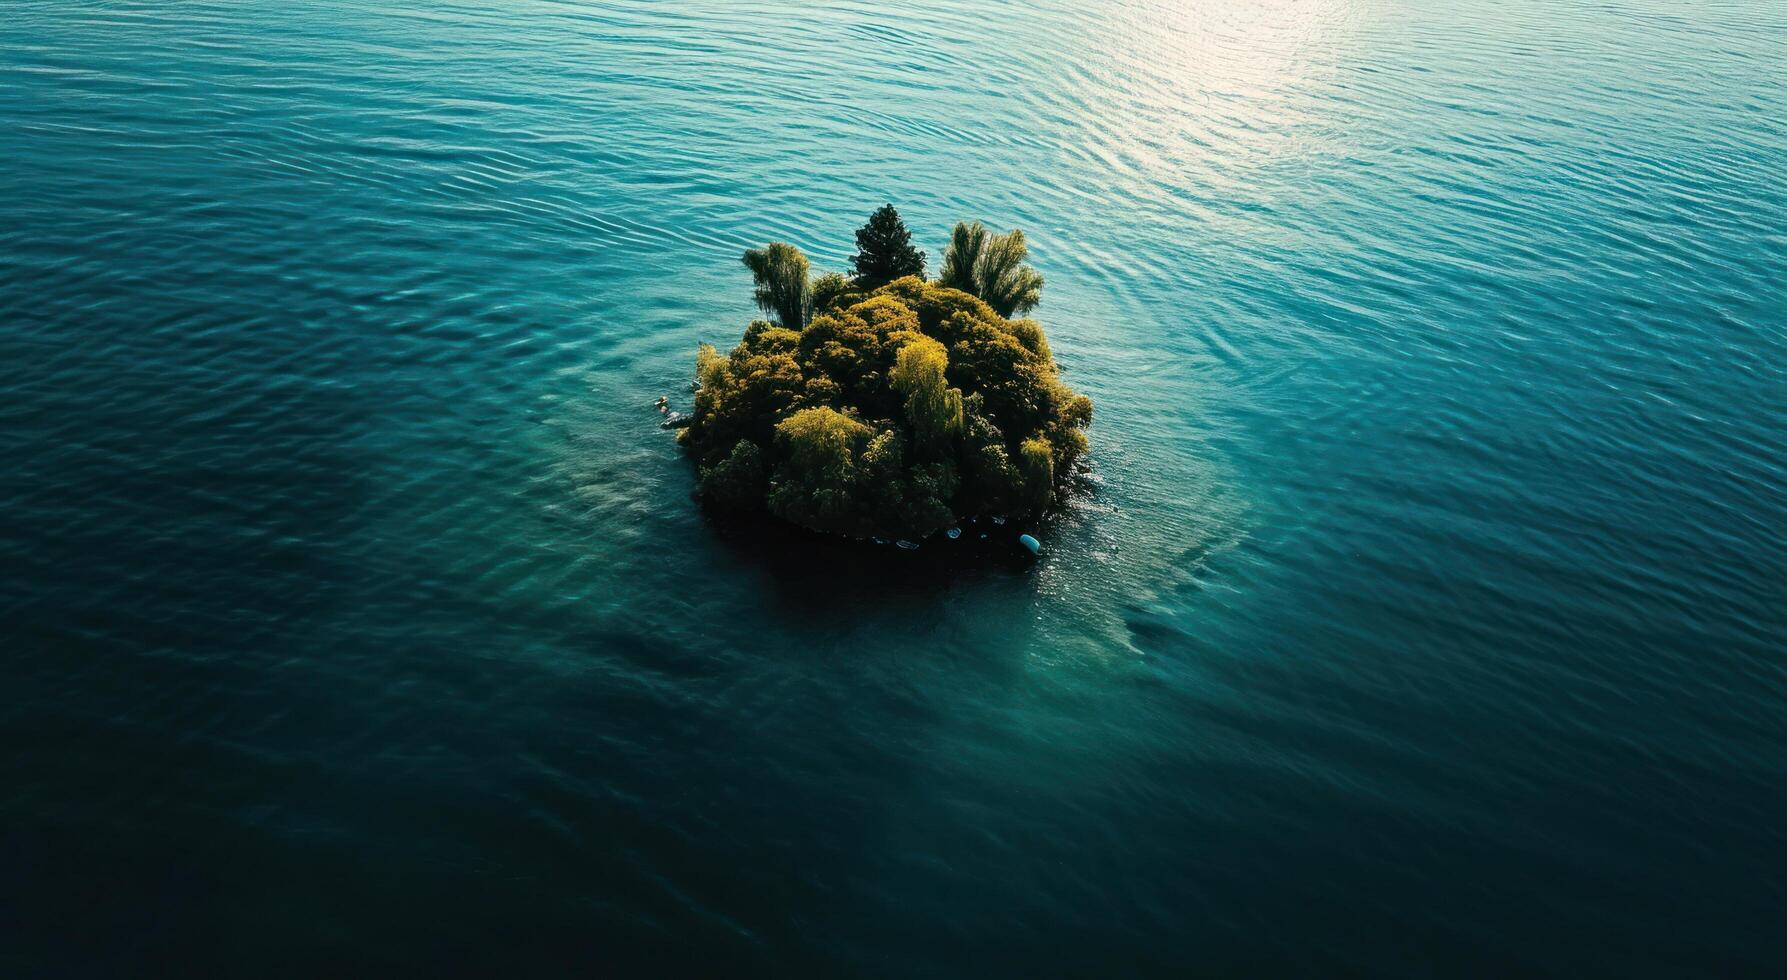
[884, 250]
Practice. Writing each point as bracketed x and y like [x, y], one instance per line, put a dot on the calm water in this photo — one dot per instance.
[1427, 617]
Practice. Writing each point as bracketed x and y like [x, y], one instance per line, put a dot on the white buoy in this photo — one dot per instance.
[1031, 543]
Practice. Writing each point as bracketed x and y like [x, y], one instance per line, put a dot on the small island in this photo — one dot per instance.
[884, 404]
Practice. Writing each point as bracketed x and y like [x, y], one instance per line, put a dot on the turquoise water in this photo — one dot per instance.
[1427, 616]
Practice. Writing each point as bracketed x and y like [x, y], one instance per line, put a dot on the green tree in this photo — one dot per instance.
[884, 250]
[991, 267]
[987, 360]
[933, 408]
[834, 289]
[816, 484]
[736, 483]
[780, 271]
[962, 255]
[942, 311]
[990, 484]
[1009, 286]
[743, 395]
[1036, 458]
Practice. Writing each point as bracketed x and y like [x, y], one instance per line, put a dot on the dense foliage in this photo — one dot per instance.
[890, 409]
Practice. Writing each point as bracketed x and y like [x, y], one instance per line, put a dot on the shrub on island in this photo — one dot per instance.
[883, 404]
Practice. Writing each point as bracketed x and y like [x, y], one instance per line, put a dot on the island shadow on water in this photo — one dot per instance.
[821, 576]
[814, 571]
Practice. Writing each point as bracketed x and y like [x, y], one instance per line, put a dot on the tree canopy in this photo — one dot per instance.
[884, 250]
[894, 409]
[992, 267]
[780, 271]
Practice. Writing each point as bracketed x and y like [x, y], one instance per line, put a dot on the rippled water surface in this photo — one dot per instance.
[1427, 616]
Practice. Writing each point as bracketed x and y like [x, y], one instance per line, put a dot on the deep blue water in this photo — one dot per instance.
[1428, 616]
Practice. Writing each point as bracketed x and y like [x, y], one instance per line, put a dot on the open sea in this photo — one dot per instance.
[1427, 615]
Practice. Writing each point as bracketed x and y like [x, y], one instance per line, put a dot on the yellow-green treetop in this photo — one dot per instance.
[893, 410]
